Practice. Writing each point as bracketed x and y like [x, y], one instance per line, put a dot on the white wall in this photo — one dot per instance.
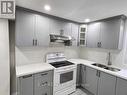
[4, 58]
[119, 58]
[37, 55]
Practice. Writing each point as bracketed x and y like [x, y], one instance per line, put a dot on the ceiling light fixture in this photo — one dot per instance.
[47, 7]
[87, 20]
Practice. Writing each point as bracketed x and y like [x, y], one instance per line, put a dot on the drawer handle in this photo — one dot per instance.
[44, 74]
[27, 76]
[44, 94]
[44, 84]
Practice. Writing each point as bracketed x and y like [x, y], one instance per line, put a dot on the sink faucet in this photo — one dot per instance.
[109, 59]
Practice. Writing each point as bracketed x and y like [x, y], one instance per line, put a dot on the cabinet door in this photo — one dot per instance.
[93, 35]
[91, 80]
[121, 87]
[106, 84]
[43, 83]
[26, 85]
[67, 28]
[24, 28]
[110, 30]
[83, 75]
[75, 32]
[55, 26]
[42, 30]
[78, 78]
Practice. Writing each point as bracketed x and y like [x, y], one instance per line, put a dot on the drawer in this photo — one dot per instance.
[47, 90]
[43, 83]
[44, 76]
[38, 83]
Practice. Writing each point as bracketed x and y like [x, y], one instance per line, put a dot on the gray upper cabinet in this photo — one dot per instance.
[112, 33]
[106, 84]
[56, 26]
[74, 34]
[26, 85]
[93, 35]
[66, 26]
[107, 33]
[42, 30]
[24, 28]
[121, 87]
[31, 29]
[91, 80]
[34, 29]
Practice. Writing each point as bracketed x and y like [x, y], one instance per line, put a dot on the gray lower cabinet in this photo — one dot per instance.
[36, 84]
[43, 83]
[106, 84]
[97, 82]
[121, 87]
[91, 80]
[78, 78]
[26, 86]
[83, 75]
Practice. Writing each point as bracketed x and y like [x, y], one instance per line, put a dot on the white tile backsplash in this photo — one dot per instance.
[37, 54]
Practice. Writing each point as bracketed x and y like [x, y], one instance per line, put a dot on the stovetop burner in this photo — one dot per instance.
[61, 64]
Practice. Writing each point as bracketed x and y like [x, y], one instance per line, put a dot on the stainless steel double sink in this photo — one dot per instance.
[106, 67]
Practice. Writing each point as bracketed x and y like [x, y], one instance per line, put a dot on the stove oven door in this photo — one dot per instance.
[65, 78]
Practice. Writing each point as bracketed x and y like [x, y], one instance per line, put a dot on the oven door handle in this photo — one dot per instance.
[65, 71]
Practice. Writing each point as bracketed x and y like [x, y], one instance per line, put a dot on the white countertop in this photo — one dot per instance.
[121, 74]
[32, 69]
[41, 67]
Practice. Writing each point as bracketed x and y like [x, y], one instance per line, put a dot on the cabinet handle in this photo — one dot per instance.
[97, 73]
[44, 84]
[84, 68]
[44, 74]
[36, 42]
[33, 42]
[100, 44]
[27, 76]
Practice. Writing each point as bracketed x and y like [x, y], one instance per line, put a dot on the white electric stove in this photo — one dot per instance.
[64, 74]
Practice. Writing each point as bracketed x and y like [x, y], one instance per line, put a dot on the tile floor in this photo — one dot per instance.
[79, 92]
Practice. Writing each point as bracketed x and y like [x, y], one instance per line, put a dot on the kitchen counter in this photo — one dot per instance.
[41, 67]
[32, 69]
[121, 74]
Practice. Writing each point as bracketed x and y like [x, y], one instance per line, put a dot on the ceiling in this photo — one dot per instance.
[78, 10]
